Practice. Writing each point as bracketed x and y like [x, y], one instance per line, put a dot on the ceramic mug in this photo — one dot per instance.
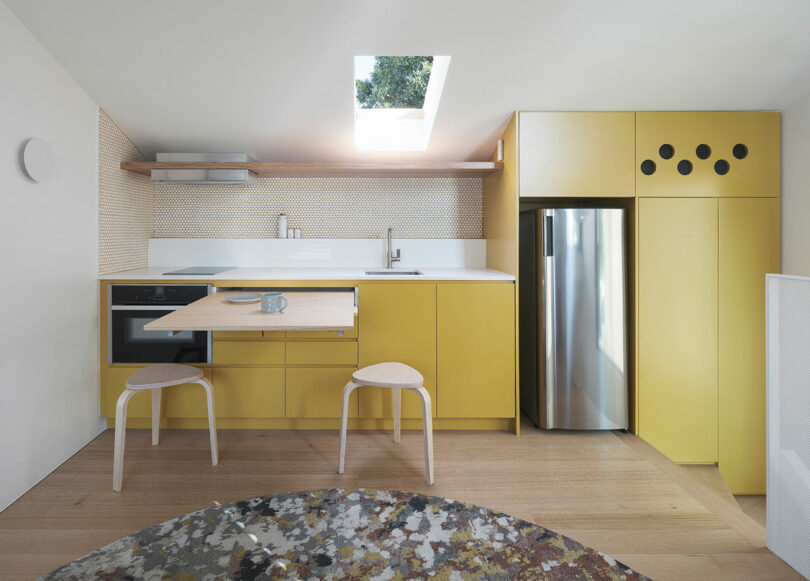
[273, 303]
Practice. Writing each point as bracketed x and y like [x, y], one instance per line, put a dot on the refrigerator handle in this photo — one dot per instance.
[548, 237]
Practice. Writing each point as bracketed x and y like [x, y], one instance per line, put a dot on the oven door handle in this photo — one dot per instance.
[146, 307]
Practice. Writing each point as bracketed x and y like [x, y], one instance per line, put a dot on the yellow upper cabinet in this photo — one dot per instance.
[707, 154]
[577, 154]
[476, 350]
[398, 323]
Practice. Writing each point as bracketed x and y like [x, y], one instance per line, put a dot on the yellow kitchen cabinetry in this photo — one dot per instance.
[398, 323]
[316, 392]
[576, 154]
[322, 353]
[749, 248]
[249, 392]
[677, 327]
[706, 154]
[248, 353]
[181, 401]
[476, 350]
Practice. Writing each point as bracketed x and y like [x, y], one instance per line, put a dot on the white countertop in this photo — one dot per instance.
[350, 273]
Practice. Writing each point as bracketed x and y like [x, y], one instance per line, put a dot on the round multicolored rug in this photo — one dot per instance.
[345, 534]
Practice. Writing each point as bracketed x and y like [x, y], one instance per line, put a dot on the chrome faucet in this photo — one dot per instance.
[390, 257]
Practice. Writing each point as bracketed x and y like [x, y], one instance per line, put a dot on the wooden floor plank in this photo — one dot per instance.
[609, 491]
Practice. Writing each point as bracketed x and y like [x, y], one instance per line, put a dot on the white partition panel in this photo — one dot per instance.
[788, 400]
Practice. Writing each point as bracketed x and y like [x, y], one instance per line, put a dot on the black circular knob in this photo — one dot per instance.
[740, 151]
[648, 167]
[721, 167]
[703, 151]
[684, 167]
[666, 151]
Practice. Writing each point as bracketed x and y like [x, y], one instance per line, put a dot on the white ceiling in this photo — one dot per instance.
[275, 78]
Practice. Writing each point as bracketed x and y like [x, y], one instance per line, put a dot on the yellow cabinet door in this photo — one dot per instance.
[249, 392]
[577, 154]
[316, 392]
[476, 350]
[677, 327]
[397, 323]
[714, 169]
[749, 248]
[179, 401]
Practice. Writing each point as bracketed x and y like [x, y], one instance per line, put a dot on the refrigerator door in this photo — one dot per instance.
[582, 358]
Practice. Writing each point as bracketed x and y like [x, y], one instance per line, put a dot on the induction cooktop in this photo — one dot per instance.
[200, 270]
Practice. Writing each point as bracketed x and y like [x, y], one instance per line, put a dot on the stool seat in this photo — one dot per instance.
[163, 375]
[389, 374]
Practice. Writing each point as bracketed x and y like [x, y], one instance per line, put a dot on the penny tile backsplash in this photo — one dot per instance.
[339, 207]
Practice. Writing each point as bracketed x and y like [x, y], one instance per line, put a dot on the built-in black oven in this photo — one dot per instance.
[132, 306]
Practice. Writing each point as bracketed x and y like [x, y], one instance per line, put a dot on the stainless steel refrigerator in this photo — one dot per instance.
[573, 318]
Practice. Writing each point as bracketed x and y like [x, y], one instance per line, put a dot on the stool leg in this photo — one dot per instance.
[396, 404]
[120, 436]
[344, 423]
[156, 415]
[427, 428]
[212, 418]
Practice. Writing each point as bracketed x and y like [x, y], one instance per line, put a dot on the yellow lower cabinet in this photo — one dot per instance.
[749, 248]
[677, 327]
[316, 392]
[249, 392]
[179, 401]
[476, 350]
[398, 323]
[248, 353]
[321, 353]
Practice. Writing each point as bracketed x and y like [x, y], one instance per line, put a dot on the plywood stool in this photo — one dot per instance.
[396, 377]
[156, 377]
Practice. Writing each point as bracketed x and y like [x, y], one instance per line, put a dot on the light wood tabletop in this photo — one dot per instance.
[307, 311]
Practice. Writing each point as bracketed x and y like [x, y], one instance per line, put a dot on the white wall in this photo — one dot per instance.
[48, 236]
[796, 188]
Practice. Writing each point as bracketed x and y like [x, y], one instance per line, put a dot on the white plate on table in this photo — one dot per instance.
[244, 298]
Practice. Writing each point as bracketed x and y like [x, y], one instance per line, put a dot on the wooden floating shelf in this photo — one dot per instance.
[266, 169]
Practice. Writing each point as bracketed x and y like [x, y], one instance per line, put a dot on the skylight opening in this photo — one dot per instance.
[396, 100]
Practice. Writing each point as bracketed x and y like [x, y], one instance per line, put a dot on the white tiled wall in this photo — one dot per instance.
[340, 207]
[126, 208]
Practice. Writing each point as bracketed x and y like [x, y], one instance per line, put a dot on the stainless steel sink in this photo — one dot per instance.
[394, 271]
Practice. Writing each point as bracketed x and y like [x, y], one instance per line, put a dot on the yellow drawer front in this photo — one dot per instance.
[310, 335]
[179, 401]
[249, 335]
[757, 174]
[322, 353]
[316, 392]
[248, 353]
[253, 392]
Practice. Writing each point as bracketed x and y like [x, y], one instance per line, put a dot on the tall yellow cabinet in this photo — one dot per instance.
[708, 189]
